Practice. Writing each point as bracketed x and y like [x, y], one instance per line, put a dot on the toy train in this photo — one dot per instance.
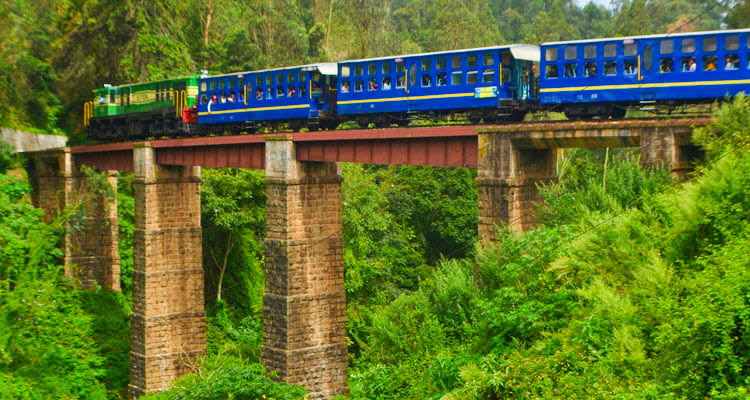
[583, 79]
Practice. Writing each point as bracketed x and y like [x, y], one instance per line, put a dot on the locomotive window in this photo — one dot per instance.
[290, 77]
[203, 86]
[358, 70]
[732, 42]
[472, 60]
[610, 50]
[386, 67]
[589, 51]
[440, 63]
[426, 64]
[550, 54]
[666, 65]
[269, 79]
[222, 84]
[666, 46]
[426, 80]
[400, 67]
[488, 75]
[610, 68]
[456, 62]
[372, 69]
[551, 71]
[688, 45]
[709, 43]
[630, 49]
[358, 85]
[280, 77]
[212, 84]
[647, 58]
[710, 63]
[344, 71]
[571, 52]
[413, 74]
[472, 77]
[630, 67]
[258, 80]
[489, 59]
[442, 79]
[457, 78]
[372, 84]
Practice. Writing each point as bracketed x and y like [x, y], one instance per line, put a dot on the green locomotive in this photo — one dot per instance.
[143, 110]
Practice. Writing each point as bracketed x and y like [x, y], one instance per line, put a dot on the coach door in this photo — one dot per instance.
[648, 68]
[412, 83]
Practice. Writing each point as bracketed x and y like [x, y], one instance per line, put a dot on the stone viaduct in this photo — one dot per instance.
[304, 301]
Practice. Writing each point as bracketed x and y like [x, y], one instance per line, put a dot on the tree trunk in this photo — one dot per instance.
[209, 14]
[223, 266]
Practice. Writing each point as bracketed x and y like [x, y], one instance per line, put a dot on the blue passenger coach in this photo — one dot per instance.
[603, 76]
[298, 95]
[487, 83]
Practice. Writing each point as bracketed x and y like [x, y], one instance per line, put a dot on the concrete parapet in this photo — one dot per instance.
[168, 324]
[25, 142]
[304, 310]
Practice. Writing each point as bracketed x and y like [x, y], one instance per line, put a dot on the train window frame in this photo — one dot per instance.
[607, 67]
[345, 71]
[489, 59]
[610, 50]
[471, 61]
[358, 69]
[666, 46]
[386, 67]
[507, 77]
[732, 56]
[280, 77]
[707, 59]
[211, 85]
[291, 91]
[587, 67]
[389, 83]
[570, 53]
[550, 54]
[457, 78]
[259, 93]
[687, 45]
[630, 49]
[372, 69]
[441, 79]
[303, 90]
[632, 63]
[400, 67]
[426, 80]
[269, 93]
[488, 75]
[258, 80]
[472, 76]
[345, 86]
[359, 83]
[222, 84]
[506, 58]
[648, 57]
[440, 63]
[426, 64]
[372, 84]
[400, 81]
[590, 51]
[413, 74]
[280, 91]
[684, 63]
[710, 44]
[204, 99]
[269, 79]
[733, 44]
[666, 65]
[302, 77]
[290, 77]
[573, 70]
[232, 81]
[204, 86]
[551, 71]
[456, 61]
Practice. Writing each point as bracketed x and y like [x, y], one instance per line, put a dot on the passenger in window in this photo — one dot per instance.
[400, 81]
[223, 98]
[230, 98]
[630, 67]
[610, 69]
[710, 65]
[373, 84]
[729, 62]
[259, 94]
[292, 91]
[570, 71]
[214, 99]
[667, 65]
[590, 70]
[302, 89]
[690, 67]
[426, 80]
[552, 71]
[102, 100]
[442, 78]
[345, 87]
[387, 83]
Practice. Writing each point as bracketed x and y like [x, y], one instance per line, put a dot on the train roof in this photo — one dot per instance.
[655, 36]
[178, 78]
[327, 68]
[527, 52]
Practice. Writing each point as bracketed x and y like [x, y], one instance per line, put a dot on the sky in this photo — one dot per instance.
[582, 3]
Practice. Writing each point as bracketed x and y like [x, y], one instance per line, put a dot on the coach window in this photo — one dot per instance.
[372, 84]
[571, 70]
[630, 50]
[269, 79]
[709, 43]
[589, 69]
[442, 77]
[291, 91]
[666, 64]
[732, 42]
[551, 71]
[488, 76]
[302, 76]
[358, 70]
[489, 59]
[506, 61]
[279, 92]
[666, 46]
[426, 64]
[372, 69]
[630, 66]
[358, 84]
[426, 79]
[688, 45]
[112, 97]
[710, 62]
[731, 61]
[571, 52]
[280, 78]
[440, 63]
[344, 71]
[258, 80]
[158, 92]
[290, 77]
[610, 68]
[550, 54]
[472, 60]
[647, 57]
[222, 84]
[386, 66]
[203, 86]
[212, 85]
[400, 78]
[457, 78]
[302, 89]
[456, 62]
[610, 50]
[413, 75]
[589, 51]
[269, 93]
[317, 89]
[204, 99]
[232, 82]
[472, 77]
